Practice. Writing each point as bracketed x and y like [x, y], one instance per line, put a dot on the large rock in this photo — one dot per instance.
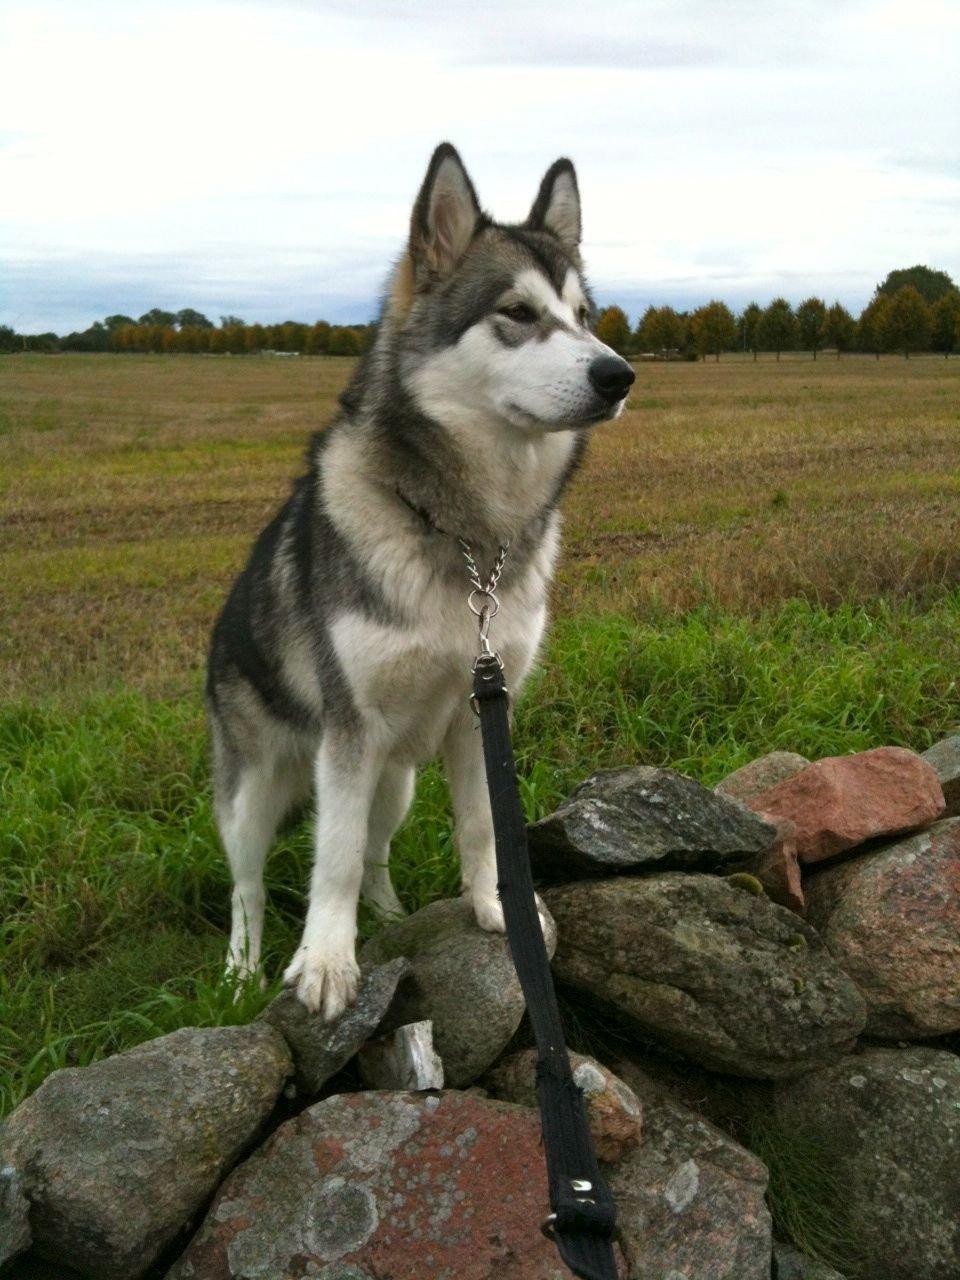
[892, 919]
[321, 1049]
[14, 1209]
[889, 1120]
[841, 801]
[643, 819]
[690, 1200]
[727, 978]
[118, 1156]
[790, 1264]
[463, 981]
[944, 757]
[385, 1185]
[760, 775]
[613, 1111]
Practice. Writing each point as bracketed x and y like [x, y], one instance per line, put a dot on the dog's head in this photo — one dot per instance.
[492, 322]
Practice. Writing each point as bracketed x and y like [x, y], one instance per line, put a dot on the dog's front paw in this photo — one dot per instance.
[325, 982]
[489, 913]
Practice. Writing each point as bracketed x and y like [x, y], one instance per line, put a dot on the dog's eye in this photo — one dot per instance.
[519, 312]
[584, 316]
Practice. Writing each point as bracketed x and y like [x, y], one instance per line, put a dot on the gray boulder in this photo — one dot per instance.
[643, 819]
[945, 758]
[752, 779]
[392, 1186]
[14, 1209]
[404, 1059]
[462, 980]
[690, 1200]
[119, 1156]
[319, 1049]
[699, 965]
[892, 919]
[789, 1264]
[890, 1121]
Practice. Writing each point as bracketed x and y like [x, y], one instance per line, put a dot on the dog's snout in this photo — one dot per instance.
[611, 377]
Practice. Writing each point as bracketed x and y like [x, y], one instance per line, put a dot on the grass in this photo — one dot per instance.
[757, 556]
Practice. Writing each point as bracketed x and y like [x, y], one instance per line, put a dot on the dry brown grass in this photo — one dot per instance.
[132, 487]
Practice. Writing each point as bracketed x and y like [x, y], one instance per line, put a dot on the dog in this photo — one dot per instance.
[342, 658]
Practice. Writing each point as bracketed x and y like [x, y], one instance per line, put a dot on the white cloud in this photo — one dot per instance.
[260, 158]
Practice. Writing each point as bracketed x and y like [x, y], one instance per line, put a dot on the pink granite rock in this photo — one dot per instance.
[778, 870]
[394, 1185]
[892, 920]
[613, 1110]
[841, 801]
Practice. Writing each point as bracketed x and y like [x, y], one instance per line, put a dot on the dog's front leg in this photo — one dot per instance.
[324, 969]
[473, 830]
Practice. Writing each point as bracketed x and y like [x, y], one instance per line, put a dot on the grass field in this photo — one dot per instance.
[757, 556]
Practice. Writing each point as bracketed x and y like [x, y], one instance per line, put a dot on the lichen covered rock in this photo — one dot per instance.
[725, 977]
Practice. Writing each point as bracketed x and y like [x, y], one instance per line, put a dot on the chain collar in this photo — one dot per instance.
[483, 600]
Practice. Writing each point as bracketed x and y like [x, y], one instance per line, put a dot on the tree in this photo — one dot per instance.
[230, 322]
[872, 325]
[747, 326]
[660, 329]
[930, 284]
[613, 328]
[156, 316]
[116, 322]
[318, 338]
[9, 341]
[344, 341]
[190, 319]
[946, 322]
[777, 330]
[841, 328]
[713, 328]
[812, 324]
[908, 323]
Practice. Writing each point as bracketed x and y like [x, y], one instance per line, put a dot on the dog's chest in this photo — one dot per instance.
[409, 680]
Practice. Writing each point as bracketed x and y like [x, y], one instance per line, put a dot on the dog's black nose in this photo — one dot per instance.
[611, 377]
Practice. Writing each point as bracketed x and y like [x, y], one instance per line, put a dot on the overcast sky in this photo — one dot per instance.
[259, 157]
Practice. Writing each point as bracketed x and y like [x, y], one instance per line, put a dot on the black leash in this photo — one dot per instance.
[583, 1215]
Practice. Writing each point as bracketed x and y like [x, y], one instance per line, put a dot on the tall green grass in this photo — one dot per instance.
[113, 892]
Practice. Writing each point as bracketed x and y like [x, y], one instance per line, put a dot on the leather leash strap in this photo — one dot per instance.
[583, 1217]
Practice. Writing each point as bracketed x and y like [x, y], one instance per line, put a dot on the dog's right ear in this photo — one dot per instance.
[445, 216]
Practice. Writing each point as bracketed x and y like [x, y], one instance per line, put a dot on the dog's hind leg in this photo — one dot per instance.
[248, 819]
[390, 804]
[324, 969]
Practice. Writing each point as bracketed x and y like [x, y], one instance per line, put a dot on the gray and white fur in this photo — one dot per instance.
[342, 658]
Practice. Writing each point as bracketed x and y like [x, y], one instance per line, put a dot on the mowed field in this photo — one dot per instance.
[757, 556]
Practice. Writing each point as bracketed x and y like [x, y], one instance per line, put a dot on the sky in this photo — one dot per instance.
[260, 157]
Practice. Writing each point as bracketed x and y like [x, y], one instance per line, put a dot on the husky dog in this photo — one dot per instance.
[342, 658]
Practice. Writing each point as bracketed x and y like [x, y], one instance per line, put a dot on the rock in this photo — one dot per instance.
[613, 1112]
[405, 1059]
[944, 757]
[463, 981]
[892, 919]
[118, 1156]
[14, 1210]
[841, 801]
[789, 1264]
[447, 1186]
[319, 1049]
[778, 870]
[760, 775]
[690, 1200]
[643, 818]
[728, 979]
[889, 1120]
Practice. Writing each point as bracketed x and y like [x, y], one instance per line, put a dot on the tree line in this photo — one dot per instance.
[913, 309]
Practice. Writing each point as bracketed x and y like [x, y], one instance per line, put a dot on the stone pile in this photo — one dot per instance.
[760, 958]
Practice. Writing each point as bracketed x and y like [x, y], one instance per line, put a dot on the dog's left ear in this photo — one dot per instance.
[445, 216]
[557, 206]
